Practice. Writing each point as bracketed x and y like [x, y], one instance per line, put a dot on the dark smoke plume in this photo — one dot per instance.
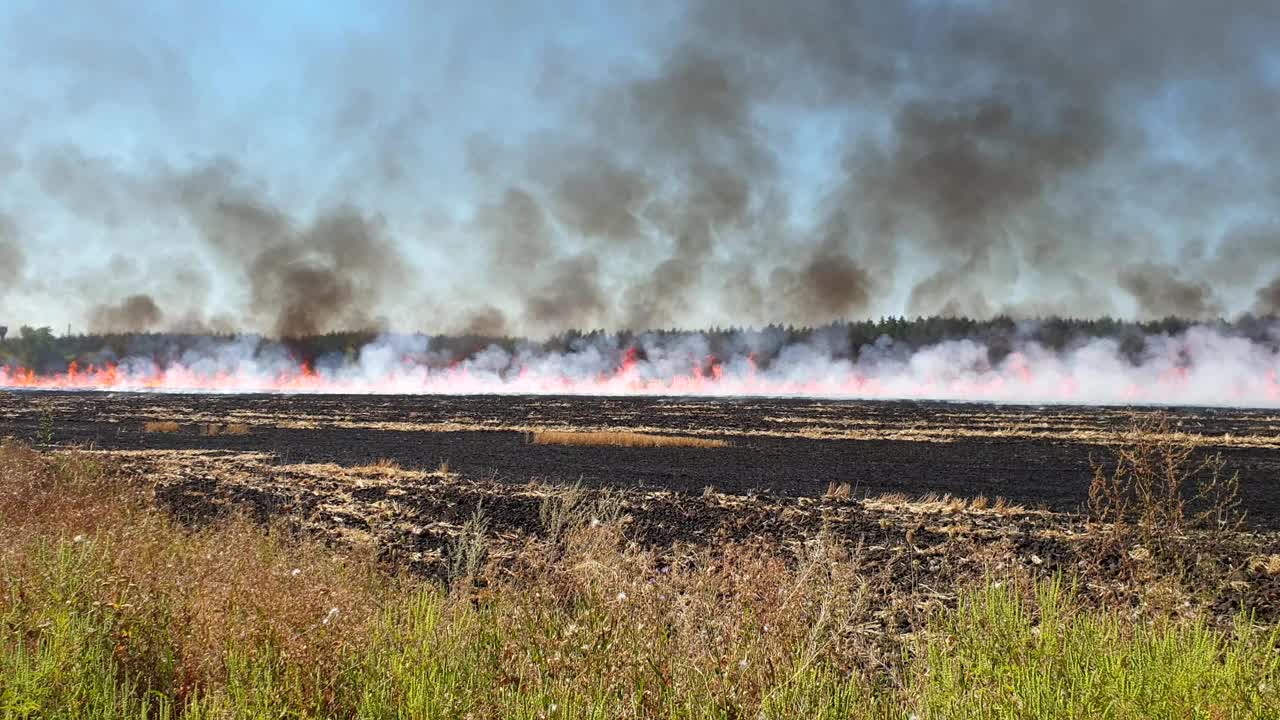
[13, 262]
[302, 281]
[136, 313]
[832, 285]
[1159, 291]
[487, 321]
[757, 162]
[1269, 299]
[571, 298]
[991, 169]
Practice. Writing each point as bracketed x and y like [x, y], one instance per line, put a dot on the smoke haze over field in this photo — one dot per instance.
[525, 168]
[1214, 365]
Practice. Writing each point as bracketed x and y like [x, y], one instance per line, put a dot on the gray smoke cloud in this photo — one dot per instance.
[136, 313]
[1269, 299]
[302, 280]
[1003, 140]
[13, 262]
[1158, 289]
[750, 162]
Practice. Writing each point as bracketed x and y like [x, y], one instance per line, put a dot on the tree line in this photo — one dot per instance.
[40, 349]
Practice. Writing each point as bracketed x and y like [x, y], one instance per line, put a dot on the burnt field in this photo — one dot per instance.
[930, 494]
[1033, 456]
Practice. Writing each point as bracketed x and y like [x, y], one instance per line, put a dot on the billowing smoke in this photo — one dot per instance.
[731, 163]
[986, 152]
[1269, 299]
[1217, 365]
[136, 313]
[13, 262]
[302, 281]
[1158, 289]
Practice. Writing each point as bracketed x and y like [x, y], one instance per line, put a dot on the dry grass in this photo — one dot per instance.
[40, 491]
[946, 504]
[205, 429]
[217, 429]
[381, 466]
[113, 599]
[1268, 565]
[1157, 487]
[838, 491]
[817, 422]
[197, 594]
[621, 439]
[1083, 430]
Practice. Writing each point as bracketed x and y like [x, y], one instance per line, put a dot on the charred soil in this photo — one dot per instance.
[1033, 456]
[929, 496]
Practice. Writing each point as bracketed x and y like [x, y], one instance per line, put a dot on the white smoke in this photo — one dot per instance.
[1201, 366]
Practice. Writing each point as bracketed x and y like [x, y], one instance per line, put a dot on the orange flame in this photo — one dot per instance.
[1016, 379]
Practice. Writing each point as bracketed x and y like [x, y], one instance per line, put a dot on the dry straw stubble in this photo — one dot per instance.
[621, 439]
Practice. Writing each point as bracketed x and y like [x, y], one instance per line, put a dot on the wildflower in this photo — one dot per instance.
[622, 597]
[333, 615]
[78, 539]
[295, 572]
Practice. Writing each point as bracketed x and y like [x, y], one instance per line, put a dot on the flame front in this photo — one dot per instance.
[1195, 369]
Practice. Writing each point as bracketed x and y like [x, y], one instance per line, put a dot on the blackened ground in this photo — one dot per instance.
[769, 453]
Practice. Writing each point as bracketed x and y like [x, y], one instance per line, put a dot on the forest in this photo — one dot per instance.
[40, 349]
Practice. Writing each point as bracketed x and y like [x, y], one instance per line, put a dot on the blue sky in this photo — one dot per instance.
[423, 119]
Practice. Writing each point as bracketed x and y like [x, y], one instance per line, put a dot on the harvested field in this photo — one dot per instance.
[920, 550]
[891, 512]
[829, 608]
[621, 439]
[216, 429]
[931, 492]
[1037, 457]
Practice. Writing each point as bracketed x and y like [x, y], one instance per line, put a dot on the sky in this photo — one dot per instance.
[528, 167]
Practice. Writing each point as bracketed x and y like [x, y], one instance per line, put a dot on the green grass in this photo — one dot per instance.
[998, 655]
[140, 618]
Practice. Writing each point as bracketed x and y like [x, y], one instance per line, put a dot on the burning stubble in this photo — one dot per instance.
[1206, 364]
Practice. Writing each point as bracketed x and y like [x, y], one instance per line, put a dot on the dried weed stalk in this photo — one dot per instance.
[1158, 488]
[569, 508]
[468, 551]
